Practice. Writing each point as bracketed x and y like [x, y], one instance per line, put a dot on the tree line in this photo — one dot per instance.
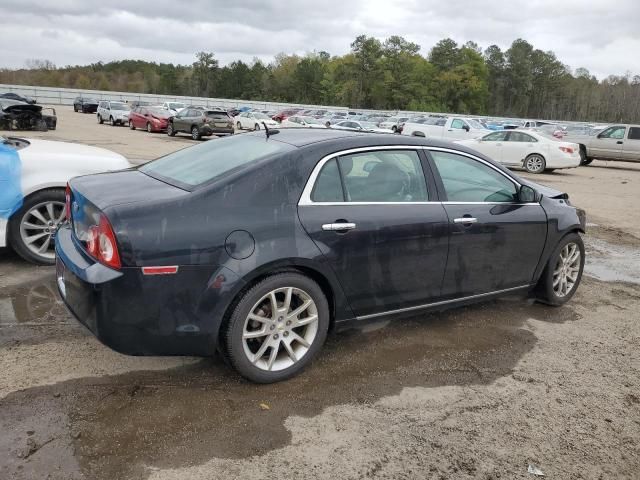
[521, 81]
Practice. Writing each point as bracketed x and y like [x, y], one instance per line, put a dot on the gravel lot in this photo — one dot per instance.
[477, 392]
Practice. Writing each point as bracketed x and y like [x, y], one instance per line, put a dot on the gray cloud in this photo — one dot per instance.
[597, 35]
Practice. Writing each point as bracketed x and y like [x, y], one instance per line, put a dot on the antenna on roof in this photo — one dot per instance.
[268, 132]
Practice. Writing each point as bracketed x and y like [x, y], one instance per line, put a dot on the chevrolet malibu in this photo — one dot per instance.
[257, 245]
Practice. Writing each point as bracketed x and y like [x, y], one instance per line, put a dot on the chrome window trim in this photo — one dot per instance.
[305, 198]
[443, 302]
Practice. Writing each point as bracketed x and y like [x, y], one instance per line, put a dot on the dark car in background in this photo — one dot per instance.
[200, 122]
[16, 115]
[152, 119]
[85, 105]
[19, 98]
[255, 245]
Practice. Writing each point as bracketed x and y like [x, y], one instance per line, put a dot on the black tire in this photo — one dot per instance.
[545, 292]
[100, 120]
[131, 125]
[583, 155]
[256, 127]
[75, 109]
[232, 335]
[112, 122]
[394, 129]
[540, 166]
[195, 133]
[238, 125]
[149, 129]
[170, 131]
[588, 161]
[15, 240]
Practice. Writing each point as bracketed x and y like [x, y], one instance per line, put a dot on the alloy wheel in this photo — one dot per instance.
[280, 329]
[567, 269]
[534, 164]
[39, 226]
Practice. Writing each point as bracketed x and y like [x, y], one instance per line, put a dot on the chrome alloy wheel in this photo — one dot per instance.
[565, 274]
[39, 225]
[534, 164]
[280, 329]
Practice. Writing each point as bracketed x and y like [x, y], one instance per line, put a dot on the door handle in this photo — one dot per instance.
[619, 142]
[336, 227]
[465, 220]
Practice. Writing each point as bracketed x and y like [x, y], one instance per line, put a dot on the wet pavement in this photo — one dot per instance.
[127, 425]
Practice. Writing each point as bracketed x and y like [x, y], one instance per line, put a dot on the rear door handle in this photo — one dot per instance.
[465, 220]
[336, 227]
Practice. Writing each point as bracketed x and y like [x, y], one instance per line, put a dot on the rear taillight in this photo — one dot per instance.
[566, 149]
[101, 244]
[67, 203]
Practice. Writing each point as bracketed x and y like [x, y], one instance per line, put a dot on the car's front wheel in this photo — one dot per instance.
[256, 126]
[131, 125]
[562, 275]
[100, 120]
[277, 327]
[149, 128]
[33, 227]
[170, 130]
[112, 122]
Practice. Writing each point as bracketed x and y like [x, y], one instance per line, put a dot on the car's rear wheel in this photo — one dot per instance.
[149, 129]
[256, 126]
[100, 120]
[195, 133]
[563, 272]
[33, 227]
[131, 125]
[170, 130]
[112, 122]
[277, 327]
[238, 125]
[535, 163]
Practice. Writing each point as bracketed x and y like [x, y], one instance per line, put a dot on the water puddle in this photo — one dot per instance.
[610, 262]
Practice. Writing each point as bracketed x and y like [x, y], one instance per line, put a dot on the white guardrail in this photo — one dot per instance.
[65, 96]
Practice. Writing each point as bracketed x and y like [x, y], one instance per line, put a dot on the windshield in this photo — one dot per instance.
[195, 166]
[368, 125]
[159, 112]
[176, 105]
[261, 116]
[119, 106]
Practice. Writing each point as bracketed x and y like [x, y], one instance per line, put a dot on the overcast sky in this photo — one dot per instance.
[599, 35]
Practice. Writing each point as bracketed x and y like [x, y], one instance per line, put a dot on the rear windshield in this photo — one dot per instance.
[194, 166]
[217, 114]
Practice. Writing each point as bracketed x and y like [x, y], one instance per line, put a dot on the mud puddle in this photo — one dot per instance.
[612, 262]
[33, 312]
[119, 426]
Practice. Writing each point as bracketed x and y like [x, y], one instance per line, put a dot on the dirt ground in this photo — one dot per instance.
[478, 392]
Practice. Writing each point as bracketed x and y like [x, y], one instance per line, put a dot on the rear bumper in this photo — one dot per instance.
[207, 130]
[136, 314]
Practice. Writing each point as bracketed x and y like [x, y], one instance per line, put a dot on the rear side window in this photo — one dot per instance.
[520, 137]
[192, 167]
[390, 176]
[468, 180]
[634, 133]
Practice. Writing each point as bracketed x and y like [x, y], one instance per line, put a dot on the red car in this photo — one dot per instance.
[152, 119]
[286, 114]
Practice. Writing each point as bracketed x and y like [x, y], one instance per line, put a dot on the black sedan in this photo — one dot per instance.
[256, 245]
[85, 105]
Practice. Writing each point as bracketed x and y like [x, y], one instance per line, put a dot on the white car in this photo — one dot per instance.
[253, 121]
[360, 126]
[116, 113]
[393, 123]
[173, 107]
[33, 177]
[300, 121]
[529, 150]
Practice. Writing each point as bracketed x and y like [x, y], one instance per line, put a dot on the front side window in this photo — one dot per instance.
[613, 132]
[468, 180]
[457, 123]
[376, 176]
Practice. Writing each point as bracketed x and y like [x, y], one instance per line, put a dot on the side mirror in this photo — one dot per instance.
[466, 128]
[527, 194]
